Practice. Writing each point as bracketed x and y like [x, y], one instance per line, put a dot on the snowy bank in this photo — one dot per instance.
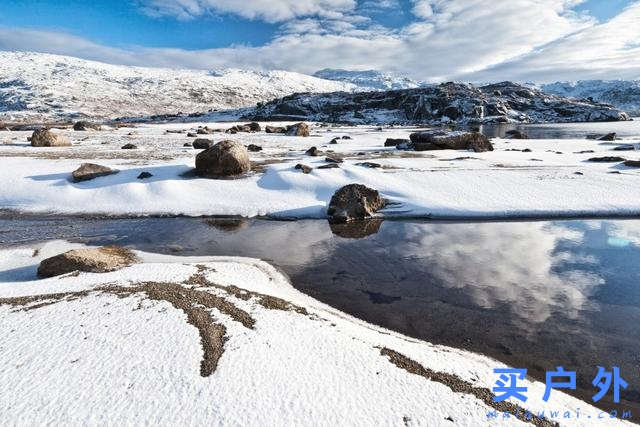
[222, 341]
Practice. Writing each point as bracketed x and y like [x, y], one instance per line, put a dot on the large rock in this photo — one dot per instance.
[88, 171]
[254, 127]
[299, 129]
[275, 129]
[354, 202]
[226, 158]
[84, 126]
[444, 140]
[98, 260]
[608, 137]
[202, 143]
[46, 138]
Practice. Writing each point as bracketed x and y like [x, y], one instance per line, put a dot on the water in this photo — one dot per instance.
[533, 294]
[629, 129]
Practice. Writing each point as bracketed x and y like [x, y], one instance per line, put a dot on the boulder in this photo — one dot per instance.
[129, 147]
[254, 127]
[145, 175]
[88, 171]
[46, 138]
[516, 134]
[354, 202]
[275, 129]
[313, 151]
[202, 144]
[299, 129]
[226, 158]
[608, 137]
[98, 260]
[304, 168]
[84, 126]
[444, 140]
[393, 142]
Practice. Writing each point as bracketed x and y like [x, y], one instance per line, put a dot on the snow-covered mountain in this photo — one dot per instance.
[369, 79]
[39, 87]
[623, 94]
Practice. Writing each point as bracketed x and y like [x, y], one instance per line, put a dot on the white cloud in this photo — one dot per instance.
[449, 39]
[269, 10]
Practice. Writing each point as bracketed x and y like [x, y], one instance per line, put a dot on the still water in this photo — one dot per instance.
[626, 130]
[535, 294]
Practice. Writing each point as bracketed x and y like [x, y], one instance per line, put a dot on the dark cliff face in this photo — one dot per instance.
[447, 102]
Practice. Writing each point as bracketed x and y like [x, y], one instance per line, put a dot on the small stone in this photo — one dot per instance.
[334, 141]
[329, 166]
[332, 160]
[145, 175]
[187, 144]
[202, 144]
[371, 165]
[608, 137]
[192, 135]
[88, 171]
[85, 126]
[304, 168]
[254, 148]
[606, 159]
[313, 151]
[624, 148]
[129, 147]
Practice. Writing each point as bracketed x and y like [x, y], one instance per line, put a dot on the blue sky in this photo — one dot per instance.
[399, 36]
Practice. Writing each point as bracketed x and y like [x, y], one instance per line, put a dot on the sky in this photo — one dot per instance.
[427, 40]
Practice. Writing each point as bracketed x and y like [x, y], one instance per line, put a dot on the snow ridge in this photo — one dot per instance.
[623, 94]
[369, 79]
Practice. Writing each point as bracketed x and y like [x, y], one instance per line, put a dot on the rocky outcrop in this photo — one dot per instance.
[226, 158]
[354, 202]
[448, 102]
[100, 260]
[46, 138]
[86, 126]
[444, 140]
[299, 129]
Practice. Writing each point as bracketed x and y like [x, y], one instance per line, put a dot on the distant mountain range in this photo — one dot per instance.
[623, 94]
[369, 79]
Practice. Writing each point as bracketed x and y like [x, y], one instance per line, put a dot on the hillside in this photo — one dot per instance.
[369, 79]
[43, 87]
[623, 94]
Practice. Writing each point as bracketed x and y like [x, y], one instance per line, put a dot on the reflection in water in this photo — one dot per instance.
[356, 229]
[532, 294]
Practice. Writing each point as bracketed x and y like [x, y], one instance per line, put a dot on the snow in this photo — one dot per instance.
[44, 87]
[107, 359]
[500, 184]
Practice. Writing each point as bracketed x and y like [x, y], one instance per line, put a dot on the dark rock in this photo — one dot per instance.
[457, 140]
[606, 159]
[578, 173]
[329, 166]
[515, 134]
[275, 129]
[356, 229]
[100, 260]
[624, 148]
[254, 148]
[46, 138]
[299, 129]
[371, 165]
[88, 171]
[334, 141]
[187, 144]
[333, 160]
[354, 202]
[238, 128]
[84, 126]
[313, 151]
[204, 131]
[226, 158]
[584, 152]
[632, 163]
[202, 144]
[254, 127]
[129, 147]
[608, 137]
[145, 175]
[192, 135]
[304, 168]
[393, 142]
[527, 150]
[346, 137]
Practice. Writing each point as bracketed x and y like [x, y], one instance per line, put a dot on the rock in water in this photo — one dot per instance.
[444, 140]
[226, 158]
[46, 138]
[145, 175]
[516, 134]
[608, 137]
[299, 129]
[354, 202]
[275, 129]
[202, 144]
[100, 260]
[84, 125]
[88, 171]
